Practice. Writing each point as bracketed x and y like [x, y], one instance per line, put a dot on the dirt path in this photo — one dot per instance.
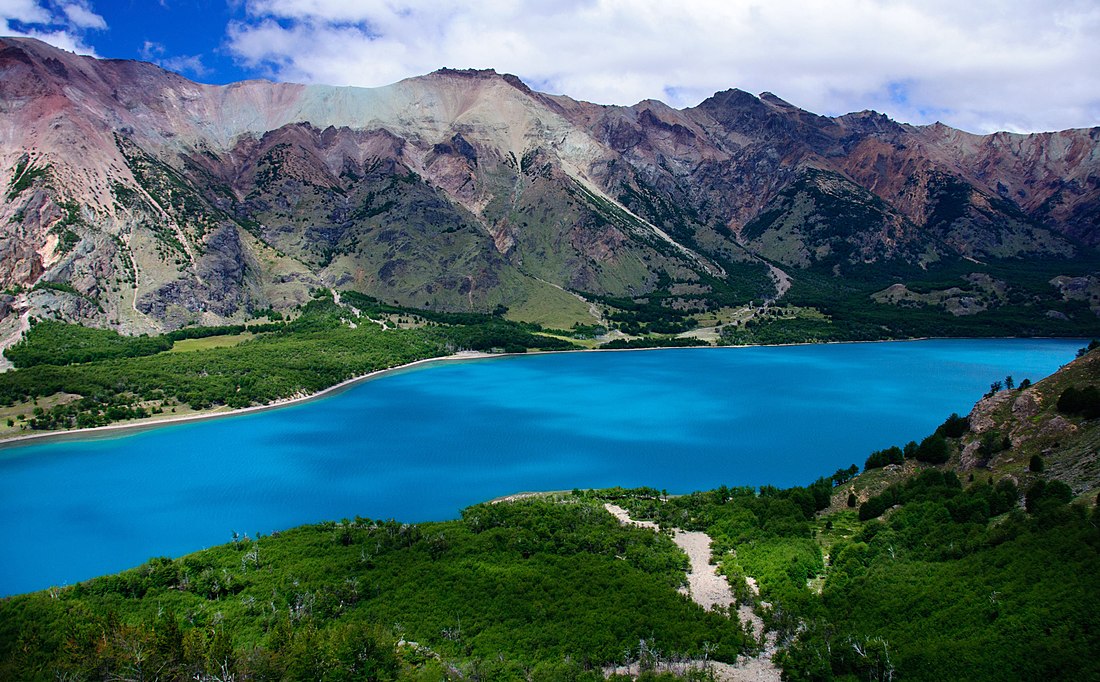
[705, 586]
[710, 590]
[782, 282]
[356, 314]
[759, 668]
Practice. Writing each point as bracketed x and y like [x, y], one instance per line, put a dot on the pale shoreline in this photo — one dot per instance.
[121, 429]
[162, 420]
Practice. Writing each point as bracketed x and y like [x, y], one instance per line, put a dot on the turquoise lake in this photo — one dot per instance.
[422, 443]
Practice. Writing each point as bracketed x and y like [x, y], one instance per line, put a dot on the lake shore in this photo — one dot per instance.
[122, 428]
[157, 421]
[426, 444]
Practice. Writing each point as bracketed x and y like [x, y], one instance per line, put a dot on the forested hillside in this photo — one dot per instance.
[93, 377]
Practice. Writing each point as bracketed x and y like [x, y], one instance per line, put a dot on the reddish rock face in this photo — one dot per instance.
[168, 201]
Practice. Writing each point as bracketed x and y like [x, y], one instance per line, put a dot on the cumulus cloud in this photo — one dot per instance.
[980, 65]
[26, 11]
[61, 24]
[82, 17]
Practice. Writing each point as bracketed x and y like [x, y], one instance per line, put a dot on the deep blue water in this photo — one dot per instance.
[421, 444]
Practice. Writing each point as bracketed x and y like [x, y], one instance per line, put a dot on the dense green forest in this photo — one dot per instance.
[535, 589]
[938, 592]
[847, 303]
[116, 377]
[958, 582]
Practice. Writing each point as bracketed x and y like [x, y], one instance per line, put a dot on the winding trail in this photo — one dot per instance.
[711, 590]
[354, 311]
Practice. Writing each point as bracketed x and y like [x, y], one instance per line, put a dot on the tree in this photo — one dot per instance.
[993, 442]
[1042, 493]
[1009, 382]
[1036, 464]
[851, 499]
[844, 475]
[881, 458]
[955, 426]
[933, 449]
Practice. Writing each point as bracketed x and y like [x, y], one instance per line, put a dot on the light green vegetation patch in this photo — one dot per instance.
[975, 293]
[224, 341]
[15, 417]
[551, 307]
[584, 343]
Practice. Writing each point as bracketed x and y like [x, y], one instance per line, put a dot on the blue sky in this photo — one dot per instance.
[980, 65]
[186, 36]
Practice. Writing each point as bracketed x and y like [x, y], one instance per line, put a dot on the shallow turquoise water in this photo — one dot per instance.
[420, 444]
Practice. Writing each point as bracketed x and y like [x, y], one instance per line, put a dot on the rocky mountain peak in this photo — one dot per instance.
[148, 201]
[466, 73]
[774, 100]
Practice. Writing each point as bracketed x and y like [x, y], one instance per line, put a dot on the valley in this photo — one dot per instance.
[172, 251]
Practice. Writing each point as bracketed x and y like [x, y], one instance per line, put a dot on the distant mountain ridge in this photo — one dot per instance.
[137, 199]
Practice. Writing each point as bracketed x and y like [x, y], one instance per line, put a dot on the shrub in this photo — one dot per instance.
[1082, 402]
[1042, 493]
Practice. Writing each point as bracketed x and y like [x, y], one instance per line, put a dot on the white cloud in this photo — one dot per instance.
[191, 64]
[979, 65]
[27, 11]
[61, 25]
[82, 17]
[156, 53]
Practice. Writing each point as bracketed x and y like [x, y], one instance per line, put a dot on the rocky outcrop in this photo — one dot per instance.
[1066, 446]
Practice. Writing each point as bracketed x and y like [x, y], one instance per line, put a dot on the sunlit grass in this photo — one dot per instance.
[225, 341]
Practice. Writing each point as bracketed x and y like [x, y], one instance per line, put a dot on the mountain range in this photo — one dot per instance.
[136, 199]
